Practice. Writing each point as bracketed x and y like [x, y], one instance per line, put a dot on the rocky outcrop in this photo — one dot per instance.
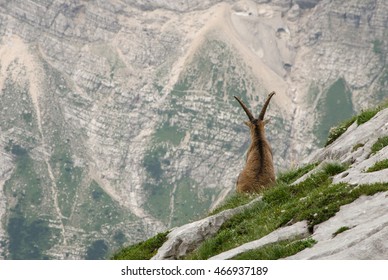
[185, 239]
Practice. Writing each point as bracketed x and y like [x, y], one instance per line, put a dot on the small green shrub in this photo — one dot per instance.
[142, 251]
[380, 165]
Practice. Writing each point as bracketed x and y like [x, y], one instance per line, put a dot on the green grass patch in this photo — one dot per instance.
[366, 115]
[340, 230]
[144, 250]
[294, 174]
[278, 250]
[379, 144]
[380, 165]
[334, 168]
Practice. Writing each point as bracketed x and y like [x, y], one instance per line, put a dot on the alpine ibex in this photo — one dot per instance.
[258, 172]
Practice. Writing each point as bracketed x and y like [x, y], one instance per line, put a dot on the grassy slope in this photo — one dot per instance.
[316, 200]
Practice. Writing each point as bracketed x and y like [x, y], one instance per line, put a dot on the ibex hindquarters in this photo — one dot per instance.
[259, 171]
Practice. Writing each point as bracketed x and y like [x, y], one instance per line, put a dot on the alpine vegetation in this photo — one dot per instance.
[258, 172]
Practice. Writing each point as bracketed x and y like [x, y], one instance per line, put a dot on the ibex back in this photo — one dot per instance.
[259, 172]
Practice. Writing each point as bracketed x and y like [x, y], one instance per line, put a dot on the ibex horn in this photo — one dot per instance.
[249, 114]
[262, 113]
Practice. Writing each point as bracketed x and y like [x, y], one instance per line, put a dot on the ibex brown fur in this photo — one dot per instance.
[259, 172]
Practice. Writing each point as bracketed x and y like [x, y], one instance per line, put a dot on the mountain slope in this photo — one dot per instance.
[326, 210]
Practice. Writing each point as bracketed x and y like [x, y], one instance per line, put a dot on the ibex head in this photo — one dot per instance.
[252, 120]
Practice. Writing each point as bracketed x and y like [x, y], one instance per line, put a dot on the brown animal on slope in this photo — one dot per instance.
[259, 172]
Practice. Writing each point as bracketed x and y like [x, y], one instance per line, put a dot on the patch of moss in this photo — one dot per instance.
[340, 230]
[144, 250]
[357, 146]
[380, 165]
[379, 144]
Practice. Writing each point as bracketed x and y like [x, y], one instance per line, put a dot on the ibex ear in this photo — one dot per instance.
[266, 121]
[247, 123]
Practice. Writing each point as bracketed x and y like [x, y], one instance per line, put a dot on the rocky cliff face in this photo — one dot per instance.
[117, 118]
